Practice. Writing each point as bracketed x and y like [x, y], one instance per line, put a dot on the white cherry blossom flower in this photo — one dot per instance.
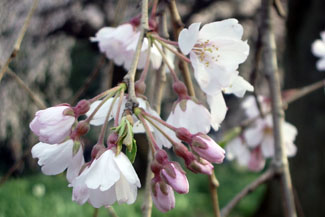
[318, 49]
[55, 158]
[119, 44]
[215, 52]
[108, 179]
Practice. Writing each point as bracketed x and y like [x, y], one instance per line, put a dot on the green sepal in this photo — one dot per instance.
[76, 146]
[131, 154]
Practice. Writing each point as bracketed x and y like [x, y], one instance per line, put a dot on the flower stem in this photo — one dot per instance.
[167, 41]
[159, 120]
[99, 106]
[101, 95]
[146, 66]
[117, 116]
[104, 127]
[172, 71]
[150, 136]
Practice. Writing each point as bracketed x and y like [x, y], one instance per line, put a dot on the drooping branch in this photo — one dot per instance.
[20, 38]
[248, 189]
[280, 161]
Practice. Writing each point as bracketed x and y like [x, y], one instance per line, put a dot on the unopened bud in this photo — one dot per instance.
[97, 150]
[175, 177]
[161, 156]
[82, 128]
[184, 135]
[112, 140]
[201, 166]
[82, 107]
[181, 90]
[140, 87]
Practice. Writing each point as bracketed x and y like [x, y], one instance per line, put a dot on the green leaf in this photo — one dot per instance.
[133, 152]
[128, 139]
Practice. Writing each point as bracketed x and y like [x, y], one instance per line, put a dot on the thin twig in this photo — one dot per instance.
[280, 161]
[214, 184]
[147, 201]
[20, 38]
[279, 8]
[112, 211]
[177, 27]
[248, 189]
[130, 76]
[38, 102]
[100, 63]
[95, 214]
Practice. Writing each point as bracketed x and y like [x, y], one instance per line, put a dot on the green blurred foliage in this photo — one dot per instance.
[45, 196]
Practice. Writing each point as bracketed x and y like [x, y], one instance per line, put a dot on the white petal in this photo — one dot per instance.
[231, 53]
[54, 159]
[229, 28]
[318, 48]
[126, 168]
[254, 135]
[103, 172]
[211, 79]
[99, 117]
[239, 87]
[99, 198]
[125, 192]
[218, 109]
[188, 37]
[321, 64]
[155, 57]
[189, 118]
[268, 146]
[74, 167]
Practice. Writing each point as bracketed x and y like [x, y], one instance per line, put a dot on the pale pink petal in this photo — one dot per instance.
[257, 161]
[229, 28]
[218, 109]
[188, 37]
[235, 149]
[99, 198]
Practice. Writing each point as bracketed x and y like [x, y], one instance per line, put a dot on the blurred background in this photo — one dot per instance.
[60, 64]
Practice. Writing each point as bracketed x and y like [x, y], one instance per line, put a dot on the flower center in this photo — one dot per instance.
[207, 52]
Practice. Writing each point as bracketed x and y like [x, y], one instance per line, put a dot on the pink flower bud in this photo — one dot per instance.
[82, 129]
[53, 125]
[175, 177]
[207, 148]
[161, 156]
[202, 166]
[112, 140]
[181, 90]
[163, 196]
[184, 135]
[82, 107]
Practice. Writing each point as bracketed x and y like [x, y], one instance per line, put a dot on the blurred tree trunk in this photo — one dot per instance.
[305, 21]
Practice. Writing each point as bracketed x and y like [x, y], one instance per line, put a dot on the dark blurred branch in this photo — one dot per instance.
[20, 38]
[269, 174]
[214, 184]
[280, 161]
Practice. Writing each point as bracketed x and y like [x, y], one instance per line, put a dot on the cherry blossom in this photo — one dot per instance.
[55, 158]
[119, 44]
[215, 52]
[318, 49]
[53, 125]
[108, 178]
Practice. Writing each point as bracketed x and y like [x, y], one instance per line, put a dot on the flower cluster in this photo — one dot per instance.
[256, 143]
[215, 51]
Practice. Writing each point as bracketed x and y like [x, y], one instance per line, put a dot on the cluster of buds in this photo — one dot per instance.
[256, 143]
